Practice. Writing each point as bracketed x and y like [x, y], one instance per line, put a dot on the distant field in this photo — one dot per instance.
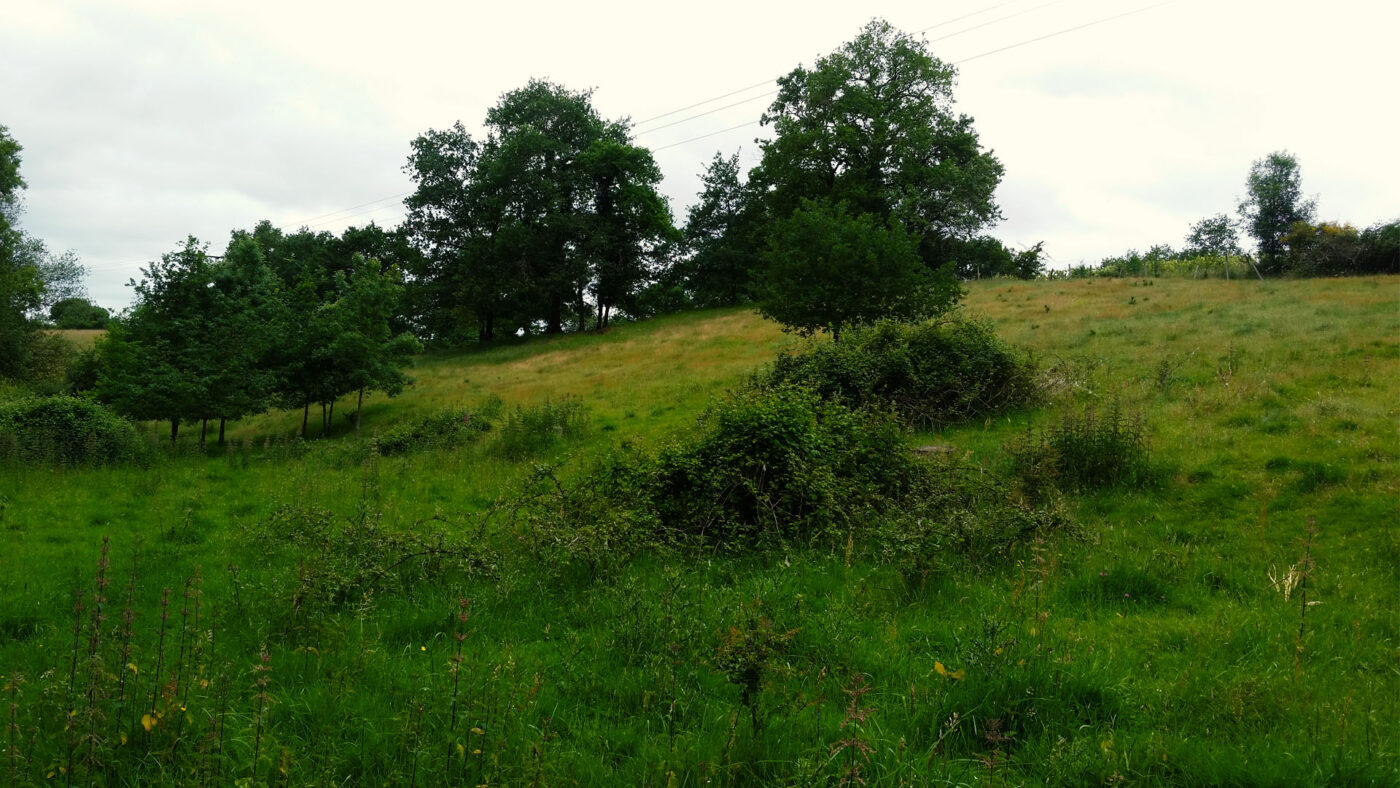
[82, 338]
[1238, 623]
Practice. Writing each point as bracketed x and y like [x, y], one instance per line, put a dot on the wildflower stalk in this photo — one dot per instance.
[260, 671]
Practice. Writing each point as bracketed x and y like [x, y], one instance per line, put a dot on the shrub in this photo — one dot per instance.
[1082, 451]
[447, 427]
[930, 374]
[65, 430]
[773, 466]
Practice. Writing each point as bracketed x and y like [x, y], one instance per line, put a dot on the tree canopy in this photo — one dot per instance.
[866, 141]
[555, 206]
[1273, 202]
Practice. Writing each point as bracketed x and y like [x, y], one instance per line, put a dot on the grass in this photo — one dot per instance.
[1146, 645]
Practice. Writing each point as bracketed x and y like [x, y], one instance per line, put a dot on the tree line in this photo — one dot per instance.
[871, 200]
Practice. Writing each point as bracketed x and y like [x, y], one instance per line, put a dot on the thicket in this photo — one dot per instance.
[440, 429]
[929, 374]
[772, 466]
[64, 430]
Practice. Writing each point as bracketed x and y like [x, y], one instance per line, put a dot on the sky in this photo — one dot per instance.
[147, 121]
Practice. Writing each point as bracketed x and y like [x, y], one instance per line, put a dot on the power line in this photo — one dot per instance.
[770, 93]
[1069, 30]
[308, 225]
[720, 97]
[956, 63]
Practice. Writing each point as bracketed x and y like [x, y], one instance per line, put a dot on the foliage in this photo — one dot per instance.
[930, 374]
[1274, 201]
[1214, 236]
[984, 256]
[828, 269]
[1338, 249]
[1083, 450]
[556, 204]
[31, 278]
[78, 313]
[441, 429]
[530, 430]
[871, 126]
[64, 430]
[722, 233]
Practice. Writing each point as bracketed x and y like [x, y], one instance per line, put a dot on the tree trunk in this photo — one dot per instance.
[174, 430]
[554, 322]
[221, 430]
[359, 406]
[332, 417]
[323, 419]
[203, 430]
[305, 412]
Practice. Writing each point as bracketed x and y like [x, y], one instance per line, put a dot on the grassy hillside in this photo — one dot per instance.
[334, 616]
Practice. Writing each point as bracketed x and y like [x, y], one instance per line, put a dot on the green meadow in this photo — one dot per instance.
[279, 611]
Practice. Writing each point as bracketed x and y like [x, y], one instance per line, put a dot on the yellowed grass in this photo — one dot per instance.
[82, 338]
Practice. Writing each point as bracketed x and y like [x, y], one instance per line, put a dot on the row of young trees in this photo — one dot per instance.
[1282, 222]
[279, 320]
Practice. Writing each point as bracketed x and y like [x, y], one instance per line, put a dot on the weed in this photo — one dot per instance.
[1083, 450]
[534, 429]
[747, 651]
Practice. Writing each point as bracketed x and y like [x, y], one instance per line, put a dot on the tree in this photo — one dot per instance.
[872, 125]
[153, 362]
[555, 206]
[828, 269]
[21, 283]
[1214, 237]
[78, 313]
[1273, 203]
[630, 226]
[869, 131]
[721, 237]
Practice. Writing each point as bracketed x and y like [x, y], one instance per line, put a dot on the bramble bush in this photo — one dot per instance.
[930, 374]
[443, 428]
[771, 466]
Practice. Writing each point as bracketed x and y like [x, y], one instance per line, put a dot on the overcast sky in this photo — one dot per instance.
[145, 121]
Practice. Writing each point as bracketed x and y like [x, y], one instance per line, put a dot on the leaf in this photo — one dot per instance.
[148, 722]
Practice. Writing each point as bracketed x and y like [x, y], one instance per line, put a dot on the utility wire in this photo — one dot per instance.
[771, 93]
[935, 26]
[754, 98]
[956, 63]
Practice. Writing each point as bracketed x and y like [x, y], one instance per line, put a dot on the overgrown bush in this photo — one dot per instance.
[530, 430]
[1084, 450]
[447, 427]
[771, 466]
[342, 560]
[930, 374]
[64, 430]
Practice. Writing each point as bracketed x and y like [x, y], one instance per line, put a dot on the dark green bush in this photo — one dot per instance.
[65, 430]
[447, 427]
[930, 374]
[1083, 451]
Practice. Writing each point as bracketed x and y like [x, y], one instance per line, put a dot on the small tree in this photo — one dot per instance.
[1215, 237]
[827, 269]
